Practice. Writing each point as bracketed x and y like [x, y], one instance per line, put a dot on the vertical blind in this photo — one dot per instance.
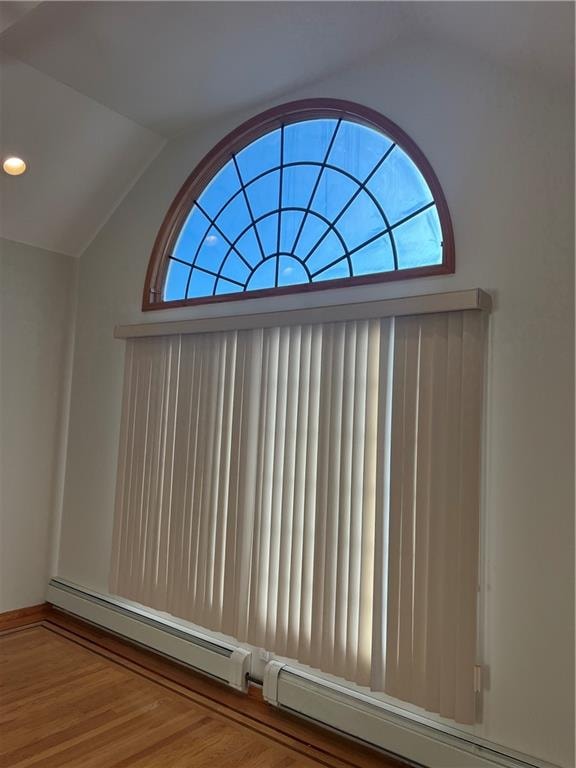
[312, 490]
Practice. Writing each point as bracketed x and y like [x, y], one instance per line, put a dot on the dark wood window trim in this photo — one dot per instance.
[248, 132]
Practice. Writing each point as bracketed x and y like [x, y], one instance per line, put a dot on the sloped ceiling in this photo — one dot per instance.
[92, 90]
[167, 65]
[82, 158]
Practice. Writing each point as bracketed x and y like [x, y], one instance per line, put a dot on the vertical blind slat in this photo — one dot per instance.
[342, 560]
[382, 355]
[395, 523]
[297, 554]
[186, 479]
[124, 450]
[424, 448]
[310, 529]
[468, 546]
[326, 642]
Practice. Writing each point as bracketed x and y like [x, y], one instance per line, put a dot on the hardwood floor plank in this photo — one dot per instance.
[141, 752]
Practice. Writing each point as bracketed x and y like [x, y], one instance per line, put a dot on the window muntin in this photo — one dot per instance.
[312, 199]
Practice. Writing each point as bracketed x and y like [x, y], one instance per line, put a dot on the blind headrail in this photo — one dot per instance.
[474, 298]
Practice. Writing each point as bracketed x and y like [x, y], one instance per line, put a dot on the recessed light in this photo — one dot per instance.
[14, 166]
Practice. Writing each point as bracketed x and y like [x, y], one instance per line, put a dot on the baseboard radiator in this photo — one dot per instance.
[226, 663]
[355, 714]
[290, 688]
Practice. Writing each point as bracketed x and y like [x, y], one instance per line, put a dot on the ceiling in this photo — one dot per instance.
[166, 65]
[82, 158]
[92, 90]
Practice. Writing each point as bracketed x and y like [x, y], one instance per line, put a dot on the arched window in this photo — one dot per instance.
[313, 194]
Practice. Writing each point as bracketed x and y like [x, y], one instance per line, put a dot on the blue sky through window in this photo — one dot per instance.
[315, 200]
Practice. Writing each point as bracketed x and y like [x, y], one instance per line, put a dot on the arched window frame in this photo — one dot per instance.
[245, 134]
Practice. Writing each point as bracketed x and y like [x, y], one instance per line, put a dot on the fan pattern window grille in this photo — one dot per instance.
[311, 200]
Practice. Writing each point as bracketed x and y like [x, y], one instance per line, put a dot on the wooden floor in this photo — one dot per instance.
[65, 703]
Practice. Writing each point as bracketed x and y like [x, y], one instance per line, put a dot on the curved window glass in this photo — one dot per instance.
[319, 197]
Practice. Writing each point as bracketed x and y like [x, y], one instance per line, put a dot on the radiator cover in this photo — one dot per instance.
[364, 718]
[227, 663]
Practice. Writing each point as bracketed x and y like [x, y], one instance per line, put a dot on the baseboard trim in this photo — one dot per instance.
[22, 617]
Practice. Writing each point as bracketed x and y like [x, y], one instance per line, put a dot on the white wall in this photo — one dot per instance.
[502, 146]
[36, 293]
